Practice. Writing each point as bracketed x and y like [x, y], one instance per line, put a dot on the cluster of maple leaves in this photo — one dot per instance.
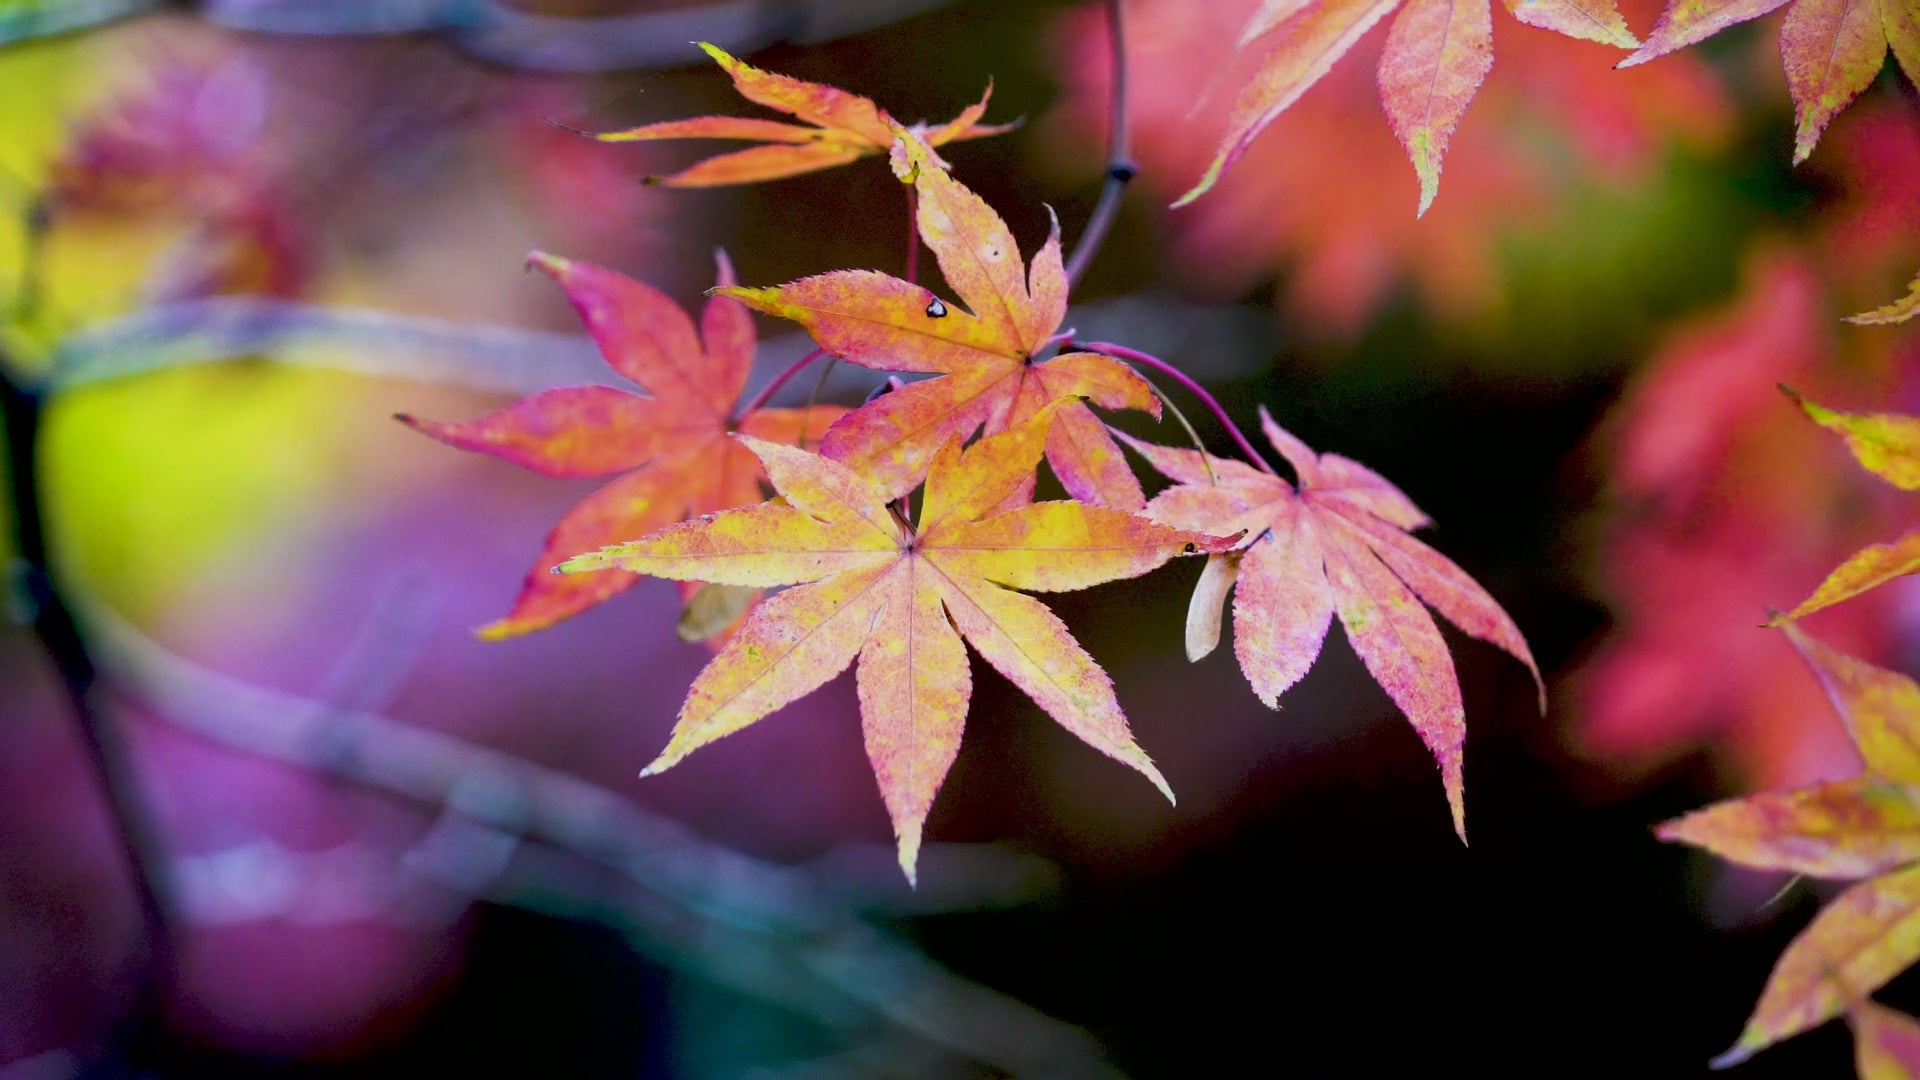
[866, 578]
[1861, 830]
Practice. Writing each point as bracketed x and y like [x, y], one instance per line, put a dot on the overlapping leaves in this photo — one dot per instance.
[670, 450]
[900, 597]
[1437, 54]
[1866, 830]
[1831, 48]
[986, 353]
[862, 581]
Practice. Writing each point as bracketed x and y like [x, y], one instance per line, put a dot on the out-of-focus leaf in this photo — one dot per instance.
[1831, 48]
[1886, 1044]
[1436, 56]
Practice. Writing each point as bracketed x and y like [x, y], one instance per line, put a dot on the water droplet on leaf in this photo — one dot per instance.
[936, 309]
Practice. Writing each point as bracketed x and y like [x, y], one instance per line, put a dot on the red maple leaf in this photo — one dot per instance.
[670, 451]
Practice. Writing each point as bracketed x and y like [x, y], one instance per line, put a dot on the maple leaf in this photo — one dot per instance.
[670, 450]
[901, 598]
[1887, 445]
[1866, 829]
[1831, 49]
[1898, 311]
[1337, 544]
[985, 354]
[1437, 54]
[846, 127]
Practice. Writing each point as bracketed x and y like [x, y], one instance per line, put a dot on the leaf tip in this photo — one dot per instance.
[909, 853]
[1734, 1055]
[667, 760]
[499, 630]
[552, 265]
[1429, 173]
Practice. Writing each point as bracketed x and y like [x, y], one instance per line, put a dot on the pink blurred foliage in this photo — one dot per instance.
[1726, 502]
[1326, 194]
[345, 965]
[185, 143]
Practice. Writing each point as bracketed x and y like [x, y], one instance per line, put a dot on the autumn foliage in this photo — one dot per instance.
[864, 578]
[1756, 490]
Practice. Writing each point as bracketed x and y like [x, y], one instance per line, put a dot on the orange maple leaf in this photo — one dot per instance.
[1831, 49]
[1336, 545]
[1864, 828]
[671, 450]
[901, 597]
[1438, 52]
[846, 127]
[986, 355]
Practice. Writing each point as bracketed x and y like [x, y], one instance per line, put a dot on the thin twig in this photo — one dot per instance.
[759, 400]
[1121, 352]
[1206, 459]
[1121, 168]
[776, 933]
[813, 398]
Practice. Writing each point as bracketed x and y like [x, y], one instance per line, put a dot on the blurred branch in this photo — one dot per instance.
[52, 18]
[1218, 343]
[558, 844]
[35, 599]
[362, 340]
[496, 31]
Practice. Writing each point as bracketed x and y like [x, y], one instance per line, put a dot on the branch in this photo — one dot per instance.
[33, 21]
[1219, 411]
[499, 31]
[781, 934]
[1120, 165]
[39, 603]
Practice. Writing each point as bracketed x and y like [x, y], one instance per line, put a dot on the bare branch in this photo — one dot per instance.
[777, 933]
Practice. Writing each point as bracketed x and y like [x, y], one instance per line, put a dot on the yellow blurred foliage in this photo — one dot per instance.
[156, 479]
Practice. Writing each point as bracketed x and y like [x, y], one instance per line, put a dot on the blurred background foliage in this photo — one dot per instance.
[1570, 363]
